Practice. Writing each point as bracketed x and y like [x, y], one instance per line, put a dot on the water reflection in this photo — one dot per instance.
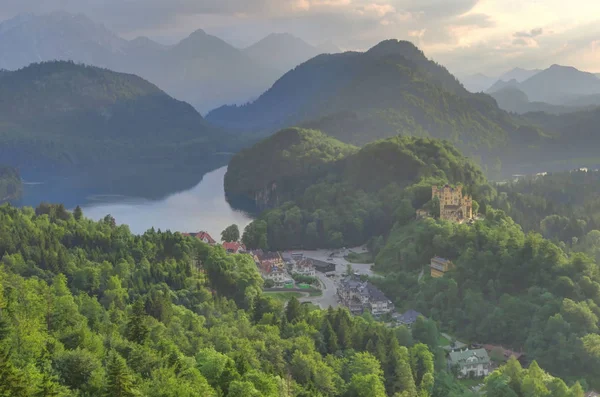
[201, 208]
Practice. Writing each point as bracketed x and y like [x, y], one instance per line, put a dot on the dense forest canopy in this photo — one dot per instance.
[11, 186]
[88, 309]
[343, 200]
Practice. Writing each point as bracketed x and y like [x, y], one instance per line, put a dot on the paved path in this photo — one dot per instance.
[329, 297]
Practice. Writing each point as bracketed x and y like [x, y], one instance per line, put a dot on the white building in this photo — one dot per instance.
[304, 267]
[470, 362]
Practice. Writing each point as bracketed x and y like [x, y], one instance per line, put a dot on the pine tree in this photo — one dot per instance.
[12, 382]
[330, 338]
[398, 374]
[78, 213]
[137, 330]
[293, 311]
[119, 381]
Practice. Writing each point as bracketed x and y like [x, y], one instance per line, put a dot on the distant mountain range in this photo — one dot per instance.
[482, 83]
[104, 130]
[360, 97]
[201, 69]
[558, 89]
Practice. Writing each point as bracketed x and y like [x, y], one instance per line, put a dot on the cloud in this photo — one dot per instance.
[476, 35]
[532, 33]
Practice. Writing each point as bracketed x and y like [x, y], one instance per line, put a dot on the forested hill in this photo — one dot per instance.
[63, 118]
[360, 97]
[88, 309]
[11, 186]
[342, 200]
[282, 165]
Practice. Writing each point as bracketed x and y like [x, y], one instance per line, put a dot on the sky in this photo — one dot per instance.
[467, 36]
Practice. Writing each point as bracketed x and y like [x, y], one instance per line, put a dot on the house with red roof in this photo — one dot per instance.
[204, 236]
[234, 247]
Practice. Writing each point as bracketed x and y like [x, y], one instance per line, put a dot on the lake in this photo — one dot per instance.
[202, 208]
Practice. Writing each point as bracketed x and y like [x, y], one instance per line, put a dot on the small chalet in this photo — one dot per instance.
[439, 266]
[234, 247]
[408, 318]
[470, 362]
[203, 236]
[304, 267]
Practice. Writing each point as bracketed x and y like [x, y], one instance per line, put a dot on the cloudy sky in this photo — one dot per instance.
[467, 36]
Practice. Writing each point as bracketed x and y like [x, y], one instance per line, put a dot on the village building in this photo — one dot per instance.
[304, 267]
[454, 206]
[359, 296]
[234, 247]
[440, 266]
[272, 267]
[408, 318]
[279, 276]
[470, 363]
[323, 267]
[203, 236]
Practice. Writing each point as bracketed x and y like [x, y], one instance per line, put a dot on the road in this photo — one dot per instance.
[329, 297]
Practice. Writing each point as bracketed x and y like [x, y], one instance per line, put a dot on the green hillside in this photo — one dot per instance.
[346, 196]
[285, 162]
[88, 309]
[10, 184]
[59, 118]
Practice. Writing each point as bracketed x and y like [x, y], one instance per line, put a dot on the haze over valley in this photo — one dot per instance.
[302, 198]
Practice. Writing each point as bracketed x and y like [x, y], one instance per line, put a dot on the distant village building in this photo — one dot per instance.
[454, 206]
[304, 267]
[234, 247]
[359, 296]
[440, 266]
[323, 267]
[408, 318]
[272, 267]
[203, 236]
[474, 363]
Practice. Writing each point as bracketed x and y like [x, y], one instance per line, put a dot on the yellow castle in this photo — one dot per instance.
[453, 205]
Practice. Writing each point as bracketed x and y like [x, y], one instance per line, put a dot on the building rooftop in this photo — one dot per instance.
[469, 357]
[265, 256]
[409, 317]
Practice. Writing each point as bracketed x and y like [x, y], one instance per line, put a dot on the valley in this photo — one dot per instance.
[147, 250]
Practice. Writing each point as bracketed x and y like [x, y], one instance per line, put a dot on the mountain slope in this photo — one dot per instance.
[559, 84]
[202, 69]
[29, 38]
[281, 163]
[59, 118]
[477, 82]
[502, 84]
[360, 97]
[519, 74]
[281, 51]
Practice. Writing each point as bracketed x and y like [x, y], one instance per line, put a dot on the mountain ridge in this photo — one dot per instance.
[103, 130]
[190, 70]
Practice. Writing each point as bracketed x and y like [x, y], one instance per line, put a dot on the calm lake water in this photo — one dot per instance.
[201, 208]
